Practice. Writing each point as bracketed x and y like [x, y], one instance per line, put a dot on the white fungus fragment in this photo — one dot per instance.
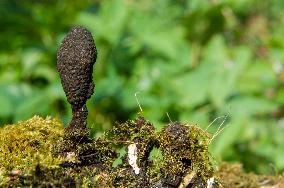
[70, 156]
[210, 182]
[132, 157]
[187, 180]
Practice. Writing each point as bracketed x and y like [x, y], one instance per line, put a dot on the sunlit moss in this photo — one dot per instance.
[28, 143]
[233, 175]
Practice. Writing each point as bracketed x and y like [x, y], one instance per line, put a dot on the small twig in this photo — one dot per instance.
[116, 142]
[137, 100]
[187, 179]
[273, 167]
[169, 117]
[225, 118]
[214, 121]
[219, 130]
[83, 137]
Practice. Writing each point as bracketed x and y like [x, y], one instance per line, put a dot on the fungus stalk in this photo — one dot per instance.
[75, 59]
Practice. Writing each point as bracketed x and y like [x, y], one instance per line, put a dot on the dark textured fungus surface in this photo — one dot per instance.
[75, 60]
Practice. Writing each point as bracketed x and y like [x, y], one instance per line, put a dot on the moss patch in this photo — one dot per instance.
[232, 175]
[73, 159]
[37, 153]
[26, 144]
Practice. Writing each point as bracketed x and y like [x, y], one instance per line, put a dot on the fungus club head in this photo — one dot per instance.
[75, 60]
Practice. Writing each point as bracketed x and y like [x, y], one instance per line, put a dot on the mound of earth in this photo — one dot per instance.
[37, 153]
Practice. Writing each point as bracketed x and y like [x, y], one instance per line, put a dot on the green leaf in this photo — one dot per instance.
[110, 22]
[249, 105]
[257, 78]
[156, 155]
[191, 88]
[118, 161]
[198, 116]
[30, 58]
[217, 65]
[44, 71]
[6, 108]
[280, 96]
[230, 135]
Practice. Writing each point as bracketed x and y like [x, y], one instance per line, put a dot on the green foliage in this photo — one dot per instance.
[156, 155]
[118, 161]
[195, 59]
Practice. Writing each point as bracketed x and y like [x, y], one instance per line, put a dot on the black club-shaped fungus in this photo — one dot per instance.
[75, 59]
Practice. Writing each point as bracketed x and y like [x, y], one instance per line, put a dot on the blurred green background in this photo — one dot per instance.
[196, 60]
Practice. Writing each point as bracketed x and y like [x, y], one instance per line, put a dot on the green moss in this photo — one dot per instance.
[232, 175]
[182, 149]
[185, 150]
[81, 161]
[26, 144]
